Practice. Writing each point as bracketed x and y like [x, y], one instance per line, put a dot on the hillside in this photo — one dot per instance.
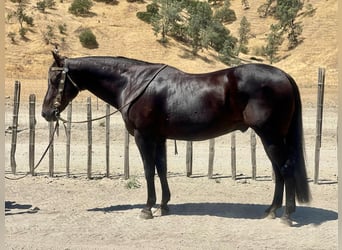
[119, 32]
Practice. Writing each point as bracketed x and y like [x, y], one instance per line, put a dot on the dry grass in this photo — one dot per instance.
[119, 32]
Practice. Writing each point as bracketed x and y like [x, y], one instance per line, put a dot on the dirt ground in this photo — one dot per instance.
[219, 213]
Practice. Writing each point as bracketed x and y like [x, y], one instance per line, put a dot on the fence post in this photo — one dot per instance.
[233, 155]
[107, 138]
[211, 158]
[126, 160]
[320, 97]
[32, 124]
[89, 123]
[68, 137]
[253, 154]
[51, 149]
[17, 87]
[189, 158]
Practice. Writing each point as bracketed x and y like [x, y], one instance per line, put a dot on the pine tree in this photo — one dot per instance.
[190, 21]
[225, 14]
[244, 33]
[285, 12]
[274, 40]
[167, 19]
[199, 20]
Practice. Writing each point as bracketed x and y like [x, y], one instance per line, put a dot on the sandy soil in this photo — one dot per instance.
[102, 213]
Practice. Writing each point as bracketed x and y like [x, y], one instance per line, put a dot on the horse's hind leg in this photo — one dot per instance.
[278, 153]
[278, 194]
[161, 165]
[290, 206]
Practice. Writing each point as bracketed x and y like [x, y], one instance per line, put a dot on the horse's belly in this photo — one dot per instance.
[197, 131]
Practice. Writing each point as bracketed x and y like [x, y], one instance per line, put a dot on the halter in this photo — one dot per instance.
[65, 70]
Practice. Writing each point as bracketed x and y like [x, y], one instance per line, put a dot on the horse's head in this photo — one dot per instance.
[61, 88]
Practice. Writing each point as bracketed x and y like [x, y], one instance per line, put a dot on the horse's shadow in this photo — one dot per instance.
[303, 215]
[13, 208]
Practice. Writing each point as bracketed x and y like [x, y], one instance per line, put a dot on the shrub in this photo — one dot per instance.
[88, 39]
[12, 35]
[225, 15]
[48, 34]
[133, 183]
[112, 2]
[22, 32]
[50, 3]
[81, 7]
[41, 6]
[62, 28]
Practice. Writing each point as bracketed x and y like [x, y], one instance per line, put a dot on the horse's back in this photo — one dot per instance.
[200, 106]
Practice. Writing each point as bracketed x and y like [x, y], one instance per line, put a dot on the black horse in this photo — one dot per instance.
[159, 102]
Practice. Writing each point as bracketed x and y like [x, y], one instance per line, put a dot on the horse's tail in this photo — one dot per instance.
[297, 150]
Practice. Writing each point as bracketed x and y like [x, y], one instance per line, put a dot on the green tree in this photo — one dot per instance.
[285, 12]
[274, 40]
[152, 12]
[25, 21]
[266, 9]
[199, 20]
[244, 33]
[225, 14]
[190, 21]
[168, 19]
[227, 54]
[216, 35]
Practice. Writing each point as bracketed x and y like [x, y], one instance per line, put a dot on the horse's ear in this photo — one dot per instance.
[58, 58]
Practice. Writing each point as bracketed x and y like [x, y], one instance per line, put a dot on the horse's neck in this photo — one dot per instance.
[107, 85]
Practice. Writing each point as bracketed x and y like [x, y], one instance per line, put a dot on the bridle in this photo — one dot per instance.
[64, 71]
[61, 85]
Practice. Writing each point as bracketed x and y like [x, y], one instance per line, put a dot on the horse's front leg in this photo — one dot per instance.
[147, 148]
[161, 165]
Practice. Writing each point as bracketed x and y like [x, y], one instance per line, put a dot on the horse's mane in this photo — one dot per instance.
[110, 60]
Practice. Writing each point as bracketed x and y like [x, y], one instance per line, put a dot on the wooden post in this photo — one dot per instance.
[51, 149]
[89, 117]
[107, 138]
[16, 100]
[126, 160]
[233, 155]
[32, 124]
[320, 97]
[189, 154]
[68, 137]
[211, 158]
[253, 154]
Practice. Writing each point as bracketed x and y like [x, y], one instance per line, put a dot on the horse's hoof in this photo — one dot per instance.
[164, 210]
[146, 214]
[286, 221]
[160, 211]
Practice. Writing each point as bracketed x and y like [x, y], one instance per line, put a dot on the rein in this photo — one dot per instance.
[41, 158]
